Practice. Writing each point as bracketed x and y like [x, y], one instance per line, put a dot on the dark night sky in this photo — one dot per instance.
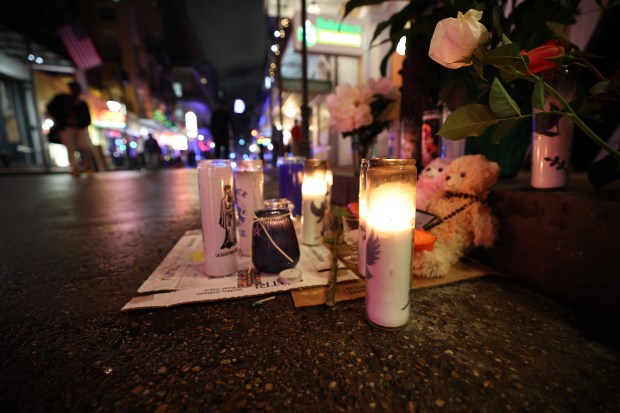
[233, 36]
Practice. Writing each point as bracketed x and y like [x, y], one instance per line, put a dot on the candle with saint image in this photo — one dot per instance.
[361, 241]
[313, 191]
[249, 196]
[390, 220]
[217, 211]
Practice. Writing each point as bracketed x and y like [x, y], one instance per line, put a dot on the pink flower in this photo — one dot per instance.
[363, 116]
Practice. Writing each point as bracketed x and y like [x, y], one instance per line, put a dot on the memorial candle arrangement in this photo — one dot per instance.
[217, 213]
[313, 190]
[362, 211]
[249, 196]
[390, 220]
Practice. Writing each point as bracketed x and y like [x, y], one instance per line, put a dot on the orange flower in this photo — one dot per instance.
[539, 56]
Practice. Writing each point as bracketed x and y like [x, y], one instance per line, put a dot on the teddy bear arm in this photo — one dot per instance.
[484, 227]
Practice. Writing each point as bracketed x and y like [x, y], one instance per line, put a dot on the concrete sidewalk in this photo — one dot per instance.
[74, 251]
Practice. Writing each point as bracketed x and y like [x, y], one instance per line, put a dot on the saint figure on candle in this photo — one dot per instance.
[227, 218]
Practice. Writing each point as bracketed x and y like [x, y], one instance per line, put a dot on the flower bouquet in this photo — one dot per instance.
[464, 41]
[363, 112]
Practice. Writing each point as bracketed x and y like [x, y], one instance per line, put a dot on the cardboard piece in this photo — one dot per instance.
[353, 290]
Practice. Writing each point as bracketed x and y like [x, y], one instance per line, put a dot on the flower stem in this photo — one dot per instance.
[582, 125]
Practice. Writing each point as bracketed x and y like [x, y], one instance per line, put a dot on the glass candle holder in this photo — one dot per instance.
[249, 182]
[278, 203]
[362, 211]
[217, 212]
[290, 177]
[274, 242]
[390, 220]
[313, 190]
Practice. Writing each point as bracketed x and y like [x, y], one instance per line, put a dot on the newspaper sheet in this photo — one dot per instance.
[180, 279]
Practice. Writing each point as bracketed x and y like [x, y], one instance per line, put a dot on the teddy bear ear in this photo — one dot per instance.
[493, 171]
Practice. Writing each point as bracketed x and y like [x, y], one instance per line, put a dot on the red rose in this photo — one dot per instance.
[539, 56]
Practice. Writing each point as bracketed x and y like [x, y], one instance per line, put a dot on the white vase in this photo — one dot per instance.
[551, 156]
[552, 137]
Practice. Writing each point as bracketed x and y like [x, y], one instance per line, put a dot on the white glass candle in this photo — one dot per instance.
[249, 196]
[329, 179]
[217, 211]
[313, 191]
[362, 211]
[390, 222]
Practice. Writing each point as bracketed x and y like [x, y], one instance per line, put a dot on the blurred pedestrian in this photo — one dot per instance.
[222, 130]
[152, 153]
[295, 138]
[71, 118]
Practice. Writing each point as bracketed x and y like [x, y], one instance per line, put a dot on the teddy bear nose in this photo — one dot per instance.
[448, 178]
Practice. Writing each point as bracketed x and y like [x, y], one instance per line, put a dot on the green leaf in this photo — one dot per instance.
[538, 96]
[599, 88]
[509, 73]
[478, 66]
[588, 106]
[468, 120]
[502, 129]
[396, 23]
[506, 40]
[379, 29]
[507, 58]
[504, 54]
[501, 103]
[497, 25]
[386, 59]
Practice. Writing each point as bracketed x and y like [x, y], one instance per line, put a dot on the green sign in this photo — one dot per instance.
[330, 36]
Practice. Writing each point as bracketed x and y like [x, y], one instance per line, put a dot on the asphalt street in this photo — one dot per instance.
[74, 251]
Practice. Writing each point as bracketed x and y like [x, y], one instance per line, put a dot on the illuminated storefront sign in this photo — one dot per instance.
[328, 35]
[177, 142]
[104, 118]
[191, 125]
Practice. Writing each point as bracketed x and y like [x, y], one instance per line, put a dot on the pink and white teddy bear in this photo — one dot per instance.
[430, 182]
[464, 220]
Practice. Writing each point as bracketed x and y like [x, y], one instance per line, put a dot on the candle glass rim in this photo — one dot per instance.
[215, 163]
[272, 213]
[389, 162]
[249, 165]
[290, 160]
[315, 162]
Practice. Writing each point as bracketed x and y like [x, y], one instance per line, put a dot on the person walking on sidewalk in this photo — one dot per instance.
[71, 118]
[222, 129]
[152, 153]
[296, 138]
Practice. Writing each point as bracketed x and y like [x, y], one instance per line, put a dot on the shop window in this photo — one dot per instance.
[15, 141]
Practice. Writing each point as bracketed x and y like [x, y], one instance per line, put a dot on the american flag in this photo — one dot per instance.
[80, 47]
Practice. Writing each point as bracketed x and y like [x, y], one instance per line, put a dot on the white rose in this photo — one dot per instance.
[455, 40]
